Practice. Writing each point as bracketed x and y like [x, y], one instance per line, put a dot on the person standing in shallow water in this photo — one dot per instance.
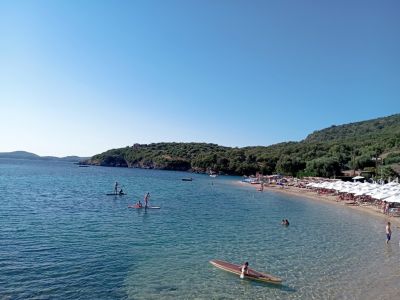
[388, 232]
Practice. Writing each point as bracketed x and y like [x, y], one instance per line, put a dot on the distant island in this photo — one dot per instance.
[32, 156]
[370, 147]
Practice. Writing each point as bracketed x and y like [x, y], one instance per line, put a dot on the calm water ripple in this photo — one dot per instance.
[61, 237]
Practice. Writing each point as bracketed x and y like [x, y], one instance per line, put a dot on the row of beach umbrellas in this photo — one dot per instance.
[389, 192]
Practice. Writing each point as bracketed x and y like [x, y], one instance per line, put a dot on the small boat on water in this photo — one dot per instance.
[252, 274]
[187, 179]
[213, 175]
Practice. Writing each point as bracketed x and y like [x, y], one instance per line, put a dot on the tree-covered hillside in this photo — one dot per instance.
[372, 146]
[371, 129]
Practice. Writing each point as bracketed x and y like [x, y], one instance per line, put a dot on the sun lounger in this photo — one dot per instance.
[394, 212]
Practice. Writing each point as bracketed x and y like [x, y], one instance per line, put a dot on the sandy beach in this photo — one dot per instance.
[332, 199]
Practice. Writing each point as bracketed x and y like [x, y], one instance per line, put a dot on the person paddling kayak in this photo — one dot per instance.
[244, 269]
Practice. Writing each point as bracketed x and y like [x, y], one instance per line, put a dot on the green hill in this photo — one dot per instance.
[365, 129]
[368, 145]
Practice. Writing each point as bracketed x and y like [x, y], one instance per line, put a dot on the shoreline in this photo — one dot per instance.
[309, 194]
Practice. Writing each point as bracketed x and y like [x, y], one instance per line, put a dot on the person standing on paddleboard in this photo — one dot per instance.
[146, 199]
[116, 188]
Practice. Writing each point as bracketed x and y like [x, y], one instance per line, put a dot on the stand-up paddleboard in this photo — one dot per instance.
[252, 275]
[113, 194]
[139, 207]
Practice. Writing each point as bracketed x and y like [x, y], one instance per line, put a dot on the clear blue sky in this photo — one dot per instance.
[82, 77]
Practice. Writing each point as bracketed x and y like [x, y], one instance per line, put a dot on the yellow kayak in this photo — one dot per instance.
[252, 275]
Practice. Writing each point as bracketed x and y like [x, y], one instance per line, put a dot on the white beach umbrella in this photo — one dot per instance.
[360, 193]
[315, 185]
[366, 184]
[380, 196]
[367, 188]
[393, 192]
[324, 184]
[353, 190]
[373, 191]
[393, 198]
[373, 185]
[332, 186]
[345, 190]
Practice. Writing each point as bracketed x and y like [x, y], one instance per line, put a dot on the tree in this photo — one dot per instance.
[362, 162]
[289, 166]
[385, 172]
[323, 167]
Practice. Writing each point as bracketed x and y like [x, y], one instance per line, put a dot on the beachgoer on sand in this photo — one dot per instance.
[388, 232]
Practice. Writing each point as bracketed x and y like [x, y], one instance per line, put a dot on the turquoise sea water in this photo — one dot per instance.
[61, 237]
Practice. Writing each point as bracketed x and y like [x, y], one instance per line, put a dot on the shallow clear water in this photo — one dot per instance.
[62, 237]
